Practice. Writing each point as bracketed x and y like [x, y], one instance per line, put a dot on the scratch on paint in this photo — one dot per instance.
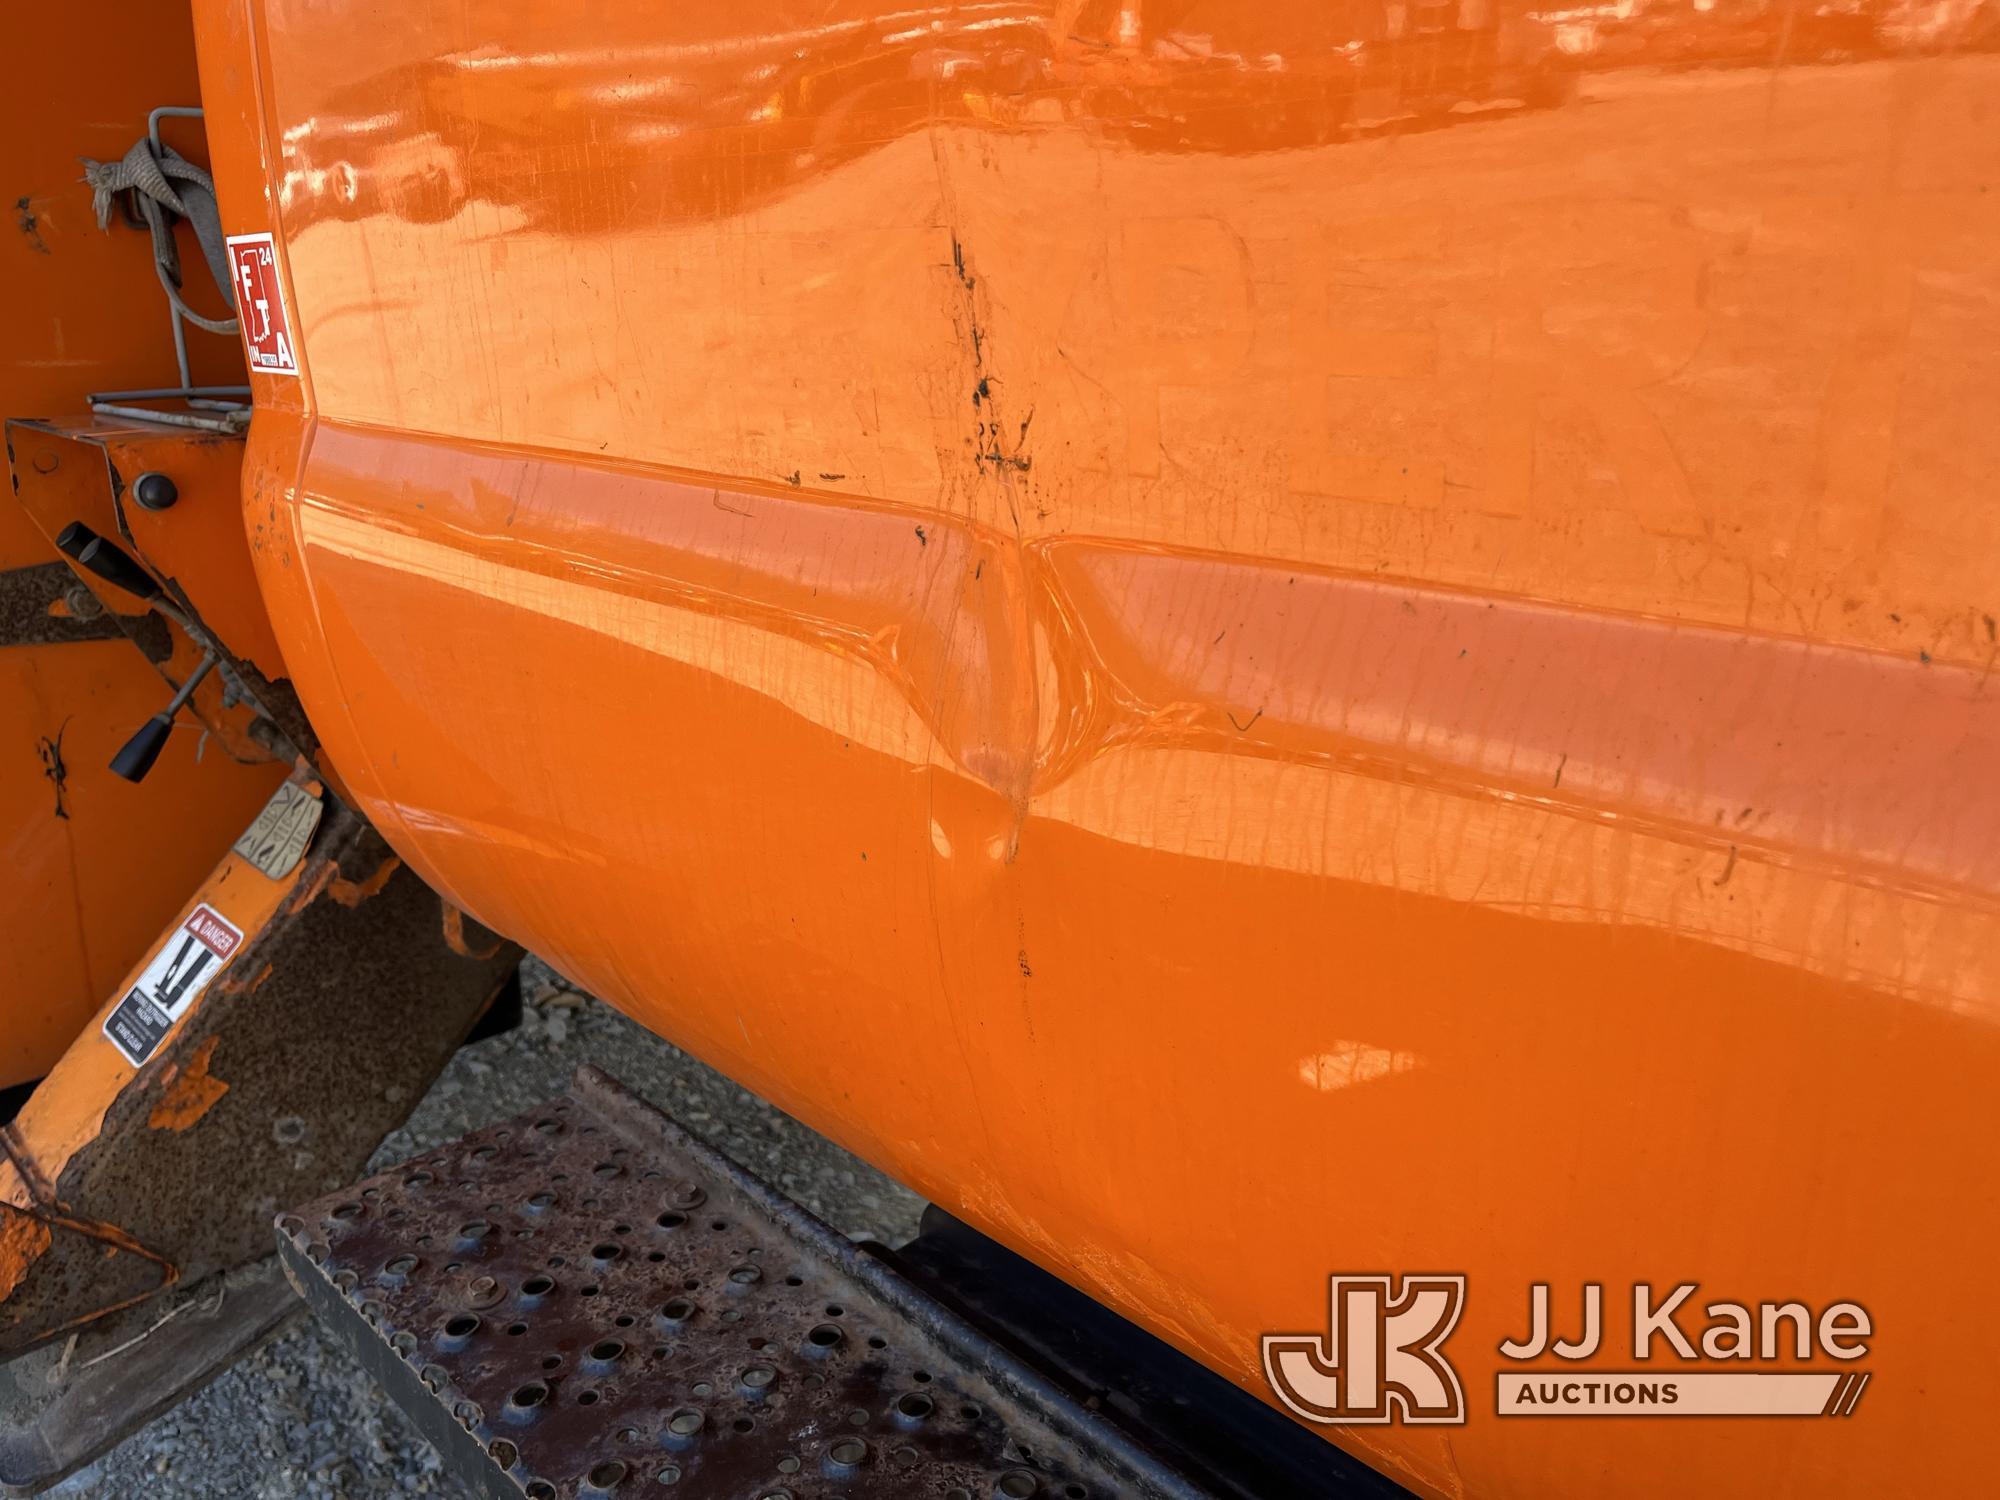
[53, 767]
[30, 224]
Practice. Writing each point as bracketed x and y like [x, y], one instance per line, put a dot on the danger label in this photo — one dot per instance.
[215, 934]
[260, 304]
[171, 981]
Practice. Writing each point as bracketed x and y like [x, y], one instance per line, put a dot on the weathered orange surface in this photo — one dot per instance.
[67, 1112]
[24, 1239]
[1240, 644]
[82, 893]
[189, 1094]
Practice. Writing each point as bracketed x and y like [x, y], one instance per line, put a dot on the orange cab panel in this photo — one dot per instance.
[1248, 641]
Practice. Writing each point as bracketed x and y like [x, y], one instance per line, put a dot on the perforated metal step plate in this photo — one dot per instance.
[587, 1302]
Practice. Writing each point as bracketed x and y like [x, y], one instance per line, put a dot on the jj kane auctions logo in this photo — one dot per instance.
[1382, 1357]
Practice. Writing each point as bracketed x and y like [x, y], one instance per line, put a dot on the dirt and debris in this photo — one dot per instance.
[298, 1420]
[30, 224]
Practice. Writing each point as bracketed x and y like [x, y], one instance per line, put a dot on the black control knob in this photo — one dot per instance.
[106, 560]
[155, 490]
[137, 757]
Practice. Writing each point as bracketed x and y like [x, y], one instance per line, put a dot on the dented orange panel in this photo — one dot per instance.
[1245, 640]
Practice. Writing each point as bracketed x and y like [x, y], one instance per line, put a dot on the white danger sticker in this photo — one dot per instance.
[191, 956]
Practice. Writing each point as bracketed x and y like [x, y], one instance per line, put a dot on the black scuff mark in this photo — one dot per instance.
[54, 768]
[989, 450]
[1244, 728]
[923, 540]
[1727, 870]
[30, 224]
[1560, 763]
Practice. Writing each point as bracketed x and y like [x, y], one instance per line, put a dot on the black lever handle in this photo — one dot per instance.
[106, 560]
[137, 757]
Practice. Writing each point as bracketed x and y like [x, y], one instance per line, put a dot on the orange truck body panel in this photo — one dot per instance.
[88, 889]
[1244, 640]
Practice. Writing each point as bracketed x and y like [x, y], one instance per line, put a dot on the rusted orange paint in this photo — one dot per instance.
[28, 1230]
[236, 984]
[27, 1233]
[454, 936]
[323, 872]
[354, 892]
[192, 1093]
[24, 1239]
[1265, 642]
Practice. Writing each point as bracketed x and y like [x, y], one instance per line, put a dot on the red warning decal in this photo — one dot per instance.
[217, 935]
[260, 304]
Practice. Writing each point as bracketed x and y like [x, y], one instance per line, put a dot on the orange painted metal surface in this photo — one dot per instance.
[85, 891]
[1245, 640]
[82, 309]
[80, 472]
[67, 1112]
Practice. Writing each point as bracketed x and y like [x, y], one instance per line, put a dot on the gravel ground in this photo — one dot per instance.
[298, 1418]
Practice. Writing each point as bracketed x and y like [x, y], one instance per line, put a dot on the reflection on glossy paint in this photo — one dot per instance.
[1347, 1064]
[1354, 630]
[717, 117]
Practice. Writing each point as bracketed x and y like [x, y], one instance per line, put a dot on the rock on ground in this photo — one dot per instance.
[299, 1419]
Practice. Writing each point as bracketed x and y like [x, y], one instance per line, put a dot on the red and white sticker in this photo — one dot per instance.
[192, 955]
[260, 304]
